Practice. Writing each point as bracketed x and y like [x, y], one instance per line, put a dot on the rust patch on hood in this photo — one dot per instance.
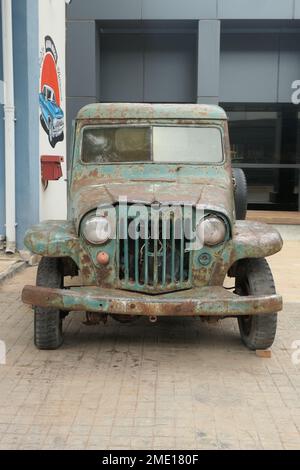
[205, 196]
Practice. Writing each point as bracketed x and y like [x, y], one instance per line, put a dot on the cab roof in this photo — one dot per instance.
[151, 111]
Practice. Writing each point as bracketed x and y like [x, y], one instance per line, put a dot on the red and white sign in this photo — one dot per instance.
[52, 104]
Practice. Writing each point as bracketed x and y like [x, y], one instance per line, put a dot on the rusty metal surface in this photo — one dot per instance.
[98, 184]
[211, 194]
[257, 238]
[150, 111]
[206, 301]
[95, 318]
[208, 186]
[54, 238]
[250, 240]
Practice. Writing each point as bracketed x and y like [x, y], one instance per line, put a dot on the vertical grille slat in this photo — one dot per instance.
[146, 255]
[182, 254]
[189, 254]
[155, 262]
[151, 263]
[164, 243]
[136, 260]
[173, 248]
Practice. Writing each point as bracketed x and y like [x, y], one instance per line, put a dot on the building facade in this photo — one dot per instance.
[36, 73]
[241, 54]
[25, 74]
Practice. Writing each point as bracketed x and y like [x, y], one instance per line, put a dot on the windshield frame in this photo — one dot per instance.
[215, 125]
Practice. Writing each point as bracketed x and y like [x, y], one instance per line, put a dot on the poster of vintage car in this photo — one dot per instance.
[52, 105]
[51, 113]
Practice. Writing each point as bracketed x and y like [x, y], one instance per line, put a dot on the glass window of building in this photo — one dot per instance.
[265, 142]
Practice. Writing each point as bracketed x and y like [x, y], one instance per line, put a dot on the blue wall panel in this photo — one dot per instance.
[26, 64]
[2, 176]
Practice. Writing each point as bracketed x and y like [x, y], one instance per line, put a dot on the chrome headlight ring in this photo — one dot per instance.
[96, 230]
[211, 230]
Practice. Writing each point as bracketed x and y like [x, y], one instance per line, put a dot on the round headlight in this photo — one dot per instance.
[211, 230]
[97, 230]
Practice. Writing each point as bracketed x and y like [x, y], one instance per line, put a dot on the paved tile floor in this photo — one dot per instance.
[179, 383]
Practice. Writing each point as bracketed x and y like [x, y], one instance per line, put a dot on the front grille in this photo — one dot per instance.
[153, 263]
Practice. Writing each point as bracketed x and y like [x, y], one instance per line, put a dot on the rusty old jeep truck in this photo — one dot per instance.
[168, 166]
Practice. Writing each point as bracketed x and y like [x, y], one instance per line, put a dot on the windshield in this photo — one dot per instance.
[158, 144]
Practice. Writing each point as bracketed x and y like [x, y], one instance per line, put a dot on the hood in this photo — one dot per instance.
[206, 196]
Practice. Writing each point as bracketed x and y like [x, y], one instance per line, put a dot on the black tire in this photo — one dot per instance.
[47, 321]
[124, 318]
[254, 277]
[240, 193]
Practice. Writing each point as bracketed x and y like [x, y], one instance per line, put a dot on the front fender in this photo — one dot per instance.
[250, 240]
[254, 240]
[54, 238]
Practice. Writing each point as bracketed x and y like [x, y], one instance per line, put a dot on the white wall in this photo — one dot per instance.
[53, 199]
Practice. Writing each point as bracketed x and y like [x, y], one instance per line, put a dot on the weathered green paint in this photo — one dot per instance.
[205, 301]
[150, 111]
[209, 187]
[55, 238]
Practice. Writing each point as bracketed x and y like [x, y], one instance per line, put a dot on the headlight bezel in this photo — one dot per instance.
[94, 219]
[224, 230]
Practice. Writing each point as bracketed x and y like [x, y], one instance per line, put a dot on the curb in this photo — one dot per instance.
[12, 270]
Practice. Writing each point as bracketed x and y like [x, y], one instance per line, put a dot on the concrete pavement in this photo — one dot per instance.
[179, 383]
[9, 265]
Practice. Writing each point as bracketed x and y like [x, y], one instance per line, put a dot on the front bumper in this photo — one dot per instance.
[205, 301]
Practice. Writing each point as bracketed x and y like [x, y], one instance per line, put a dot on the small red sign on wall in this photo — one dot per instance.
[51, 167]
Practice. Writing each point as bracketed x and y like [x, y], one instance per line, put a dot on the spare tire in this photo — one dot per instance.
[240, 193]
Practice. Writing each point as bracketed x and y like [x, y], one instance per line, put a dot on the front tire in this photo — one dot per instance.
[48, 332]
[240, 193]
[254, 277]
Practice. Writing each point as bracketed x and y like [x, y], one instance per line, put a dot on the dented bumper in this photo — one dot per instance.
[206, 301]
